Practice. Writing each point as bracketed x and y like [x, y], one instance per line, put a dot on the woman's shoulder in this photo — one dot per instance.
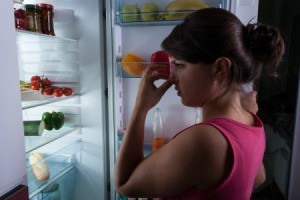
[203, 137]
[209, 152]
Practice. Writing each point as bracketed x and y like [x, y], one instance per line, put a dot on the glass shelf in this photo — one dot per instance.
[161, 17]
[45, 172]
[44, 100]
[34, 142]
[137, 66]
[32, 37]
[155, 18]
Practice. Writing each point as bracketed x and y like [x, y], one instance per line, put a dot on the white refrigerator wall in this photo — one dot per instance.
[92, 165]
[12, 149]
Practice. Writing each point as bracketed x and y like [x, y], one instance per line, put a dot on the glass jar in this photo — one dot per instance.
[20, 16]
[47, 18]
[33, 15]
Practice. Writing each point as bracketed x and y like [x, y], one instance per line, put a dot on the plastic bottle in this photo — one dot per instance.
[158, 138]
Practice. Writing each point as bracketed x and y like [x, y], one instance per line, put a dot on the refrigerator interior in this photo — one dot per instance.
[143, 38]
[75, 154]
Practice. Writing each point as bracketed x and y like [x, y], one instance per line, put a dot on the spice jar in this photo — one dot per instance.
[20, 16]
[33, 15]
[47, 18]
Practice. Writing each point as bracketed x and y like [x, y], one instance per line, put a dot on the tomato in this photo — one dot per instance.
[48, 91]
[68, 91]
[58, 92]
[45, 82]
[35, 85]
[35, 78]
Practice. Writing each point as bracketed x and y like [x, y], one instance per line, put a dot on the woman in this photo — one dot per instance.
[213, 54]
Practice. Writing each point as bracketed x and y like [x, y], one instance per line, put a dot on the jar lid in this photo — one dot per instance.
[45, 5]
[33, 7]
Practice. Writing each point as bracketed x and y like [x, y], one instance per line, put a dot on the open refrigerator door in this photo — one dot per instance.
[62, 80]
[138, 28]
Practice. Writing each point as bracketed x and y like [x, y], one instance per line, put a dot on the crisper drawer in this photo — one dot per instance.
[62, 189]
[45, 165]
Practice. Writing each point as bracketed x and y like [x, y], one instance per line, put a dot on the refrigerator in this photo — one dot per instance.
[85, 54]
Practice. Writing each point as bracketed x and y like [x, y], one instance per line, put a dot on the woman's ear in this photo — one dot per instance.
[222, 67]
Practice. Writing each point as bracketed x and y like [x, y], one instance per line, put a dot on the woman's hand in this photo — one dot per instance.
[148, 94]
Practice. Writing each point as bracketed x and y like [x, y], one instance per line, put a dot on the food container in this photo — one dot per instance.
[20, 15]
[33, 15]
[47, 16]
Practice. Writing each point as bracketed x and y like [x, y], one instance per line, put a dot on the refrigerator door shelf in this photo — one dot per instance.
[34, 142]
[133, 14]
[44, 167]
[152, 18]
[130, 69]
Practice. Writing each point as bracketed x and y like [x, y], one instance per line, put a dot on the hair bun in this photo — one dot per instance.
[265, 43]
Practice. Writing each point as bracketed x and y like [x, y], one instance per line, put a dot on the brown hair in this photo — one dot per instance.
[210, 33]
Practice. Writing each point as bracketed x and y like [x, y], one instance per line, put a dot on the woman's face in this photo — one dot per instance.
[194, 82]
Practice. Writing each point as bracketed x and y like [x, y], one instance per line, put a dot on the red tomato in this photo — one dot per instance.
[58, 92]
[68, 91]
[35, 85]
[48, 91]
[46, 82]
[35, 78]
[162, 57]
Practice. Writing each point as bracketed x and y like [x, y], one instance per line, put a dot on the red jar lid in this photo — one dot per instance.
[45, 5]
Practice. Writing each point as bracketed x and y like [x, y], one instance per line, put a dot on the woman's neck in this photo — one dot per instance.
[227, 105]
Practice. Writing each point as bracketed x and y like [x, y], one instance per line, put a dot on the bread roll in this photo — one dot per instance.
[39, 166]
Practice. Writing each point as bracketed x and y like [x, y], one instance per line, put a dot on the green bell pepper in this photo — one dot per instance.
[53, 120]
[58, 120]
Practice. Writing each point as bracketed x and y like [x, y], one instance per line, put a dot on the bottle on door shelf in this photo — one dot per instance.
[158, 138]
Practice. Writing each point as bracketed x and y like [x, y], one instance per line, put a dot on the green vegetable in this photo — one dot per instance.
[33, 128]
[58, 120]
[53, 120]
[47, 118]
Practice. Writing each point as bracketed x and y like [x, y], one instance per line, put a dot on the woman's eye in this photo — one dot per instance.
[177, 65]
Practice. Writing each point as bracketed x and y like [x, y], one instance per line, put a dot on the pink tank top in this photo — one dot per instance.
[248, 146]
